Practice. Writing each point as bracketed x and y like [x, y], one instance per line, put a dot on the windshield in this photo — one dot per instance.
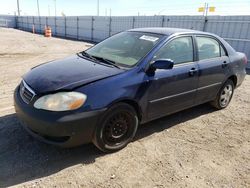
[126, 48]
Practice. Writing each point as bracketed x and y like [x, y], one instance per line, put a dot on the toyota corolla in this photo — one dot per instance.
[102, 94]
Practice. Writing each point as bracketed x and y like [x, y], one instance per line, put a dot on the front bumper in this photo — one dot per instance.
[65, 129]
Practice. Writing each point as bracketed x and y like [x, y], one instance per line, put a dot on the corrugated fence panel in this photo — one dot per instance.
[246, 27]
[188, 22]
[37, 24]
[51, 23]
[85, 28]
[25, 23]
[60, 26]
[43, 21]
[147, 21]
[241, 46]
[100, 28]
[121, 23]
[19, 22]
[30, 23]
[234, 29]
[229, 26]
[71, 27]
[8, 21]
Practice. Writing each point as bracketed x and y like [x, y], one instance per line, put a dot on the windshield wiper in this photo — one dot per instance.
[87, 55]
[107, 61]
[101, 59]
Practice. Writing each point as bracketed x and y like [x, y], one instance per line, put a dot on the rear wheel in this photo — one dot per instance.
[117, 128]
[224, 96]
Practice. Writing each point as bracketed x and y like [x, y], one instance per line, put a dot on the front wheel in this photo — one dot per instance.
[117, 128]
[224, 96]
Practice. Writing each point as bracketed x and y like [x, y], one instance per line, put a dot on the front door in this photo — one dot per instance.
[175, 89]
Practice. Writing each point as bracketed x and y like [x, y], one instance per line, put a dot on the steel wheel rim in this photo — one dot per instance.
[226, 95]
[118, 129]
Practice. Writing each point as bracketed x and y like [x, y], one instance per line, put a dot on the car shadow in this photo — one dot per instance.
[172, 120]
[23, 158]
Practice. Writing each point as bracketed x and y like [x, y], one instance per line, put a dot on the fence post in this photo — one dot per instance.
[22, 22]
[16, 22]
[133, 23]
[77, 27]
[65, 26]
[110, 20]
[33, 19]
[55, 26]
[27, 24]
[92, 28]
[40, 24]
[205, 23]
[162, 21]
[33, 25]
[46, 21]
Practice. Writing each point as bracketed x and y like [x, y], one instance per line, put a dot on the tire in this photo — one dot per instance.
[224, 96]
[116, 128]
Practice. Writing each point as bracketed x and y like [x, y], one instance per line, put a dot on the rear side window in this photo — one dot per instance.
[180, 50]
[207, 48]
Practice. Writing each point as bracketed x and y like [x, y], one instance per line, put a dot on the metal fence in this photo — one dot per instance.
[234, 29]
[7, 21]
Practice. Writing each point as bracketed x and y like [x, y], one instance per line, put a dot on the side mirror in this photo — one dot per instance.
[163, 64]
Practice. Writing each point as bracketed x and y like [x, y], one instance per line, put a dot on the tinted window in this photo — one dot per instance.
[207, 48]
[179, 50]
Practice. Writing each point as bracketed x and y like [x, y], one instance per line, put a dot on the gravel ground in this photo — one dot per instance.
[199, 147]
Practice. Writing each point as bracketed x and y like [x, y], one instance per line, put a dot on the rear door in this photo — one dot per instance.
[173, 90]
[213, 66]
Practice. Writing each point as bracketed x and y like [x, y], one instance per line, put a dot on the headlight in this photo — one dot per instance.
[62, 101]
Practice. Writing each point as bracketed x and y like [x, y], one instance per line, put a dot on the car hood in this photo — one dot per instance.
[67, 74]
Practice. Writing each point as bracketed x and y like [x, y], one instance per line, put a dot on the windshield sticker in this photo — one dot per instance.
[149, 38]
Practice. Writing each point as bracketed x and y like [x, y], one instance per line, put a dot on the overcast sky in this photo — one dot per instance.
[125, 7]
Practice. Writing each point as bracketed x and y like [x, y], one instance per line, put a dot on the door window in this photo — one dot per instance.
[180, 50]
[207, 48]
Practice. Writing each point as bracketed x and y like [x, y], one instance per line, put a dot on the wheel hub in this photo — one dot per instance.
[118, 129]
[226, 95]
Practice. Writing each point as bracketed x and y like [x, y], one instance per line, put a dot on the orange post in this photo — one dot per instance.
[48, 32]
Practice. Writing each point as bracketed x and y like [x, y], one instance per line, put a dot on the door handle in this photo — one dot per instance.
[192, 71]
[224, 64]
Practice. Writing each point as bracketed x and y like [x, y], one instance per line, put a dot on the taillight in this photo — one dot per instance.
[245, 59]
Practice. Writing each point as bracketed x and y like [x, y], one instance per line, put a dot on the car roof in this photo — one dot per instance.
[166, 30]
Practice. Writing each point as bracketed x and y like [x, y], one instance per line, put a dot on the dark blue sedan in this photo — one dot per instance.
[102, 94]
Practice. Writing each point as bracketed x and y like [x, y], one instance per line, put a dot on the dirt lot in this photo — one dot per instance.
[199, 147]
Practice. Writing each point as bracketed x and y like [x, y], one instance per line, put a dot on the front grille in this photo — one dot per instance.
[26, 93]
